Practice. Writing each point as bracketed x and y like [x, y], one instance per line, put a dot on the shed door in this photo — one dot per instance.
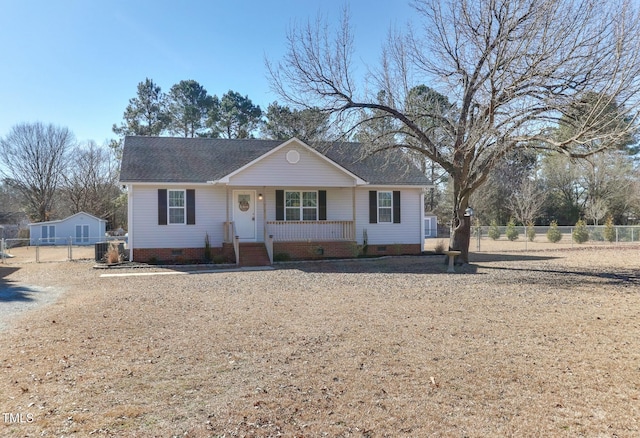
[82, 233]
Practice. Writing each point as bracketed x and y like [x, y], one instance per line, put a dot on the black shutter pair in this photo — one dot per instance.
[162, 207]
[322, 205]
[373, 207]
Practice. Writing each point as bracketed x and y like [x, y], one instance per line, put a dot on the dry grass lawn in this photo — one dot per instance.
[520, 344]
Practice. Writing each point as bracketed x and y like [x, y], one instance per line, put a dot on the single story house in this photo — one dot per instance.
[79, 229]
[256, 200]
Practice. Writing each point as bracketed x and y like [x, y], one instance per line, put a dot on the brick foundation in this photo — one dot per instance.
[182, 255]
[293, 251]
[340, 249]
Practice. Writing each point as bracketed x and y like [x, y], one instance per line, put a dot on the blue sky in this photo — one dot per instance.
[76, 63]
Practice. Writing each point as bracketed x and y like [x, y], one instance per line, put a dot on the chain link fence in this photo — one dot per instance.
[519, 238]
[15, 251]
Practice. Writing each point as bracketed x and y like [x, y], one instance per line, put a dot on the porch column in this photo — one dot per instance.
[353, 212]
[264, 214]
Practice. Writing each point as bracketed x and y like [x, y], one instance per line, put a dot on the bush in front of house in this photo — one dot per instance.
[282, 257]
[580, 232]
[553, 234]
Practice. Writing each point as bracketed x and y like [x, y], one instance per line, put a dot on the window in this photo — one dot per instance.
[301, 206]
[385, 206]
[177, 206]
[82, 233]
[48, 234]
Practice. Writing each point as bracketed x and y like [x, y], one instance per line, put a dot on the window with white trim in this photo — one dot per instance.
[48, 234]
[301, 206]
[385, 207]
[82, 233]
[177, 206]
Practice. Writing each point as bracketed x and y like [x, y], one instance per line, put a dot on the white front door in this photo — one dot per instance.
[244, 214]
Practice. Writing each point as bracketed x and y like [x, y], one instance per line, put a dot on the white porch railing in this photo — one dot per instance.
[230, 235]
[292, 231]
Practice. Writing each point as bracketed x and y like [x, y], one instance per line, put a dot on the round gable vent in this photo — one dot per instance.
[293, 156]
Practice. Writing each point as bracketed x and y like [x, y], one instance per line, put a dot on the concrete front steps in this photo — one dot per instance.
[253, 254]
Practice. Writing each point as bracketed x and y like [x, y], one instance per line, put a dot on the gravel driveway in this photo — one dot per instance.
[17, 298]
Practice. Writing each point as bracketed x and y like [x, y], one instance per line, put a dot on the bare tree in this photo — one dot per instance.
[526, 201]
[595, 209]
[33, 158]
[91, 184]
[511, 68]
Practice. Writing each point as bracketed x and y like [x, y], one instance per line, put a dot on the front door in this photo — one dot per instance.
[244, 214]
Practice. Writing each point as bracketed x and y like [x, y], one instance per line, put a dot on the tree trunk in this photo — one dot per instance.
[460, 238]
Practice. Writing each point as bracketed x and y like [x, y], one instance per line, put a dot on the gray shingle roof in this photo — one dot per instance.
[198, 160]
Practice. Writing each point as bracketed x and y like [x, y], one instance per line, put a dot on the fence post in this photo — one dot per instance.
[69, 250]
[38, 251]
[2, 244]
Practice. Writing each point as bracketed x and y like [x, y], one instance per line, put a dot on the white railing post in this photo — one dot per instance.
[269, 245]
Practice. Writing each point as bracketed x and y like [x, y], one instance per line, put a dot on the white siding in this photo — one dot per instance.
[143, 221]
[411, 215]
[65, 229]
[310, 171]
[339, 202]
[213, 202]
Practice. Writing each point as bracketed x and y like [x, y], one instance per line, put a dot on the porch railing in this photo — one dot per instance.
[230, 236]
[292, 231]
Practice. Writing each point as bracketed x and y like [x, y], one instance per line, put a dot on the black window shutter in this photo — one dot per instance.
[279, 205]
[162, 206]
[373, 207]
[396, 206]
[322, 205]
[191, 207]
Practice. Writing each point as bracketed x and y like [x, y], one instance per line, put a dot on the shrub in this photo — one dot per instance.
[609, 230]
[439, 248]
[113, 255]
[494, 230]
[207, 248]
[553, 234]
[282, 257]
[219, 259]
[512, 232]
[531, 232]
[580, 232]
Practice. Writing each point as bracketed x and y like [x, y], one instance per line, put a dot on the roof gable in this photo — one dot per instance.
[293, 163]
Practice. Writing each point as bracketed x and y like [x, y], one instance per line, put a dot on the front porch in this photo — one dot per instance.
[304, 231]
[300, 239]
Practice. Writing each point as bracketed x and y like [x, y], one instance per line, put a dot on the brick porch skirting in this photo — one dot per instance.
[339, 249]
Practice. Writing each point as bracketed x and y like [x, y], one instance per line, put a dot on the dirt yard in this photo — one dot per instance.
[518, 344]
